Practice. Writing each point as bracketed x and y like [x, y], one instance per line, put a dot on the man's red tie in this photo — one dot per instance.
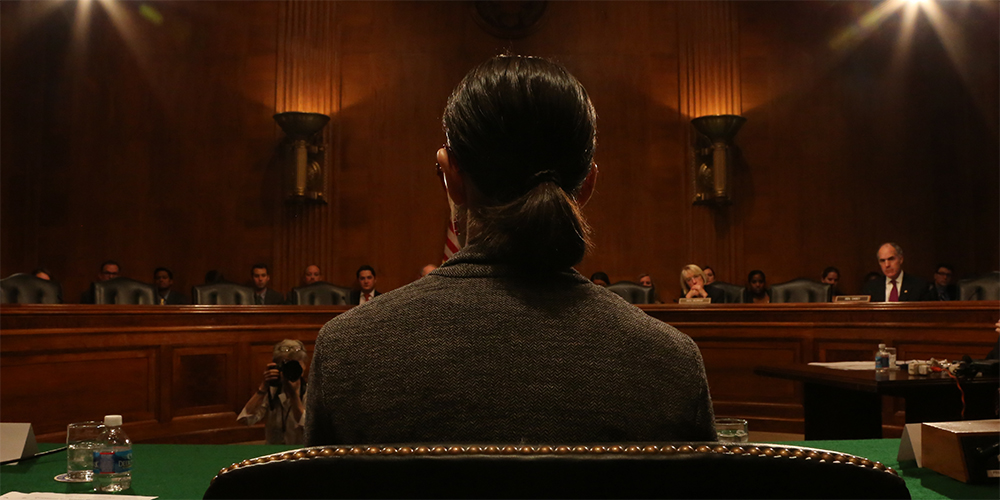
[894, 293]
[368, 297]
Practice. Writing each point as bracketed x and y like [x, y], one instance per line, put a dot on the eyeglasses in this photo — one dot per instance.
[288, 348]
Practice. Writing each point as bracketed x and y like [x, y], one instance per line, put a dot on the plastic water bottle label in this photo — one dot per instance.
[112, 463]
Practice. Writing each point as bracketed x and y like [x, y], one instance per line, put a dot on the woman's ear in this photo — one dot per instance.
[454, 185]
[587, 188]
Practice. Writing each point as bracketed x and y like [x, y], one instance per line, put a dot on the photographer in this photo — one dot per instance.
[280, 399]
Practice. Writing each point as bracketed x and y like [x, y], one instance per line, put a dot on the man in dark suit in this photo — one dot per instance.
[897, 285]
[944, 288]
[163, 279]
[262, 295]
[366, 285]
[109, 270]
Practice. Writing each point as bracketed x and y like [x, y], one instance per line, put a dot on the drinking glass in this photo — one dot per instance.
[82, 439]
[892, 358]
[732, 430]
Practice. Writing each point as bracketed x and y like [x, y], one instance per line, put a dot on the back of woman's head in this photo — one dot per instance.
[523, 132]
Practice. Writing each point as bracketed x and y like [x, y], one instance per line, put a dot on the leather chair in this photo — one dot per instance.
[801, 290]
[123, 291]
[626, 470]
[633, 293]
[986, 287]
[24, 288]
[734, 293]
[222, 294]
[320, 294]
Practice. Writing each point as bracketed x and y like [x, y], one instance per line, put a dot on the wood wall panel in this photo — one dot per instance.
[203, 380]
[153, 142]
[84, 384]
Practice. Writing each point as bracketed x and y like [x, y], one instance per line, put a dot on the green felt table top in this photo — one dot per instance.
[181, 471]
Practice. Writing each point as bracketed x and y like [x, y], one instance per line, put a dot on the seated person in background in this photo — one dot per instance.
[897, 285]
[944, 287]
[311, 275]
[647, 281]
[262, 295]
[709, 275]
[693, 285]
[600, 278]
[505, 342]
[42, 273]
[427, 270]
[163, 279]
[280, 398]
[109, 271]
[756, 291]
[831, 276]
[366, 286]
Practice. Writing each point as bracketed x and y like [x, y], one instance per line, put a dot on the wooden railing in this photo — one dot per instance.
[182, 373]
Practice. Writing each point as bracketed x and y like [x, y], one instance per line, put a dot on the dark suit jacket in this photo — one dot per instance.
[173, 299]
[356, 296]
[950, 292]
[911, 290]
[271, 298]
[717, 295]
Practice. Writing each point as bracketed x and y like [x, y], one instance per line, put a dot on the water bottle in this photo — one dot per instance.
[113, 460]
[881, 359]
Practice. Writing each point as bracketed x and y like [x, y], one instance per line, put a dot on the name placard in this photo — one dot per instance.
[700, 301]
[852, 298]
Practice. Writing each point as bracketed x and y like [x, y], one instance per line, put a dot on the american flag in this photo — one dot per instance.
[450, 242]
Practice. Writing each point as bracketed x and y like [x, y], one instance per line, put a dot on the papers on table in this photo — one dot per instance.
[848, 365]
[17, 495]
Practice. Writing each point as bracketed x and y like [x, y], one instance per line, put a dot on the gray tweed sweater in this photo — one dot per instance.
[473, 352]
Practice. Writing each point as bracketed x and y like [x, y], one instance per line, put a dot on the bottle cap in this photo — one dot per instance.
[113, 420]
[880, 346]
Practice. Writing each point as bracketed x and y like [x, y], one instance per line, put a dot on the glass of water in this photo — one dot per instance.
[82, 439]
[732, 430]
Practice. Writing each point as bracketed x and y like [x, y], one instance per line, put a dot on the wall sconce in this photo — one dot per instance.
[302, 156]
[712, 159]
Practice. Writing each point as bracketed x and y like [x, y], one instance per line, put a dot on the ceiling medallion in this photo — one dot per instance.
[510, 19]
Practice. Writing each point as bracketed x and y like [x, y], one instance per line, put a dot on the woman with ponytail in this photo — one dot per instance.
[505, 341]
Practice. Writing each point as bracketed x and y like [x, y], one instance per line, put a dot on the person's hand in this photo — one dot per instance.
[271, 373]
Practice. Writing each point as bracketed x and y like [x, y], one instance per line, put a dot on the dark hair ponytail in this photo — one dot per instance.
[524, 131]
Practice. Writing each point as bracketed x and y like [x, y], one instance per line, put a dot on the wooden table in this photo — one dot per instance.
[847, 404]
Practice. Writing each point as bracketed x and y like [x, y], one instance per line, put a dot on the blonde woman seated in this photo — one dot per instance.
[693, 285]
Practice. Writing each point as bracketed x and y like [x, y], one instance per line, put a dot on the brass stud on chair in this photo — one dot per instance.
[492, 449]
[474, 449]
[406, 450]
[719, 449]
[545, 449]
[597, 450]
[562, 450]
[438, 450]
[616, 449]
[633, 449]
[388, 450]
[455, 450]
[685, 449]
[508, 450]
[703, 449]
[421, 450]
[650, 449]
[580, 449]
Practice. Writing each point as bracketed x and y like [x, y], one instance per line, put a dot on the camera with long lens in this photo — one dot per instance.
[291, 370]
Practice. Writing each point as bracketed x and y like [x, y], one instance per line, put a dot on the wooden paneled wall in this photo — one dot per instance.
[142, 132]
